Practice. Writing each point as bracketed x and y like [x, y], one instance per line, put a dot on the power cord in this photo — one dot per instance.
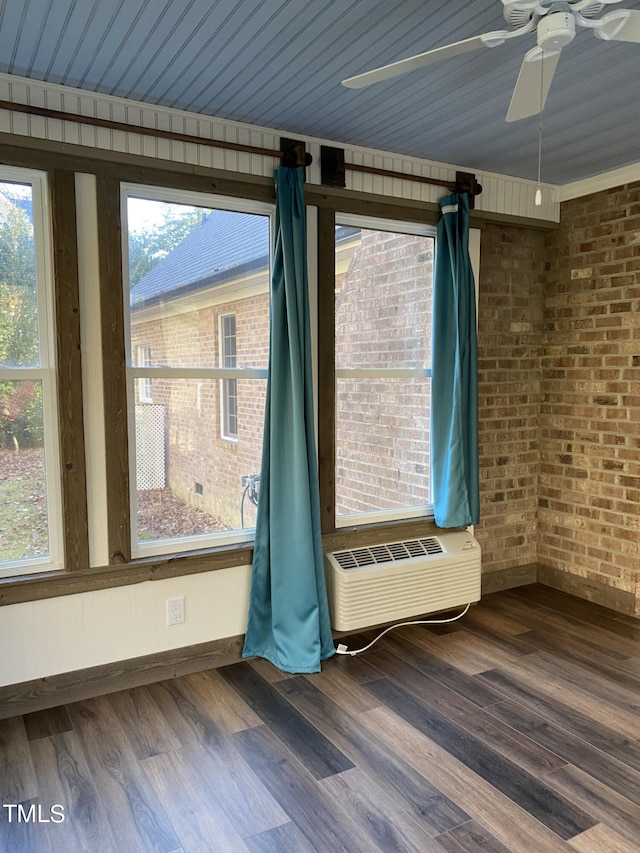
[343, 650]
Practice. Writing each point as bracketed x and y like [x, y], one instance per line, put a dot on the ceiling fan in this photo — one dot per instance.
[554, 24]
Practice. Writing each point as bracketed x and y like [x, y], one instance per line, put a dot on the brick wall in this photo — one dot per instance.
[510, 309]
[589, 519]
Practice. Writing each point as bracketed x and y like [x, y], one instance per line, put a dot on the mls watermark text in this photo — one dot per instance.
[19, 813]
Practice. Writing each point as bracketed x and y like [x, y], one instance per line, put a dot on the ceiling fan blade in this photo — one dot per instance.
[620, 25]
[403, 66]
[585, 4]
[534, 81]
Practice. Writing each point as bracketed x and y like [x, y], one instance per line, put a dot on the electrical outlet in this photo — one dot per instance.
[175, 610]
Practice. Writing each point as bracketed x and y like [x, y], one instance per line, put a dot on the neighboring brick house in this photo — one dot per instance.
[181, 317]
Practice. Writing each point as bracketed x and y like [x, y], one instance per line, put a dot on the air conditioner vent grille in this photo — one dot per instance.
[391, 552]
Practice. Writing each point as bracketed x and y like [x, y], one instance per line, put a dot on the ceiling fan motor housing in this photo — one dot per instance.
[556, 30]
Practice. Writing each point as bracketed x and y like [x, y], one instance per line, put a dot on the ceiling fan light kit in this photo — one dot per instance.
[556, 31]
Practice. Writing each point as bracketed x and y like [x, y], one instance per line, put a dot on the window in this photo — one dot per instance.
[173, 431]
[30, 516]
[144, 383]
[228, 387]
[197, 296]
[383, 298]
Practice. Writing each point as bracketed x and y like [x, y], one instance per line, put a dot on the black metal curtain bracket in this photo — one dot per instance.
[293, 153]
[333, 174]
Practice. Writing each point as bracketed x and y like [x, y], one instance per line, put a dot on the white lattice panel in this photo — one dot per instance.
[150, 447]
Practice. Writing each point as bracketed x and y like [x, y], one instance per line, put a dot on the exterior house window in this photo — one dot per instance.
[384, 273]
[145, 394]
[228, 387]
[194, 264]
[30, 501]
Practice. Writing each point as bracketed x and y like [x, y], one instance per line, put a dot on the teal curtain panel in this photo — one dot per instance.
[288, 622]
[454, 404]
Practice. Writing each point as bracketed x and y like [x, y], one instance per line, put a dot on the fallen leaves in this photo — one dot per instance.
[162, 515]
[23, 505]
[23, 509]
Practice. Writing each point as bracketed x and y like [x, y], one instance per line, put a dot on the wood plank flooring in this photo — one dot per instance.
[515, 729]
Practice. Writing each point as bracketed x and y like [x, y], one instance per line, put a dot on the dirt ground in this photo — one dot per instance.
[23, 511]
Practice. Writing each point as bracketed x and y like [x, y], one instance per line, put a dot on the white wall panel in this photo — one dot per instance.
[501, 194]
[55, 635]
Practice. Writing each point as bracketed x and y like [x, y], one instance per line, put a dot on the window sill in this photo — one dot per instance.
[51, 584]
[31, 587]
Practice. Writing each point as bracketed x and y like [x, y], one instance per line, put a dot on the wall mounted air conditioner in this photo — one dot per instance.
[398, 580]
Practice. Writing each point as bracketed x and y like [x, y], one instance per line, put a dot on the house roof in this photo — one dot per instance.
[225, 245]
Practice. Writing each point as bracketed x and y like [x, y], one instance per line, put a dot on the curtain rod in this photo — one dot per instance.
[292, 152]
[387, 173]
[43, 112]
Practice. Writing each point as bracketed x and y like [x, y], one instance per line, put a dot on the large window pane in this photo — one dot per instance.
[383, 299]
[187, 267]
[188, 481]
[23, 490]
[18, 285]
[198, 319]
[383, 358]
[30, 518]
[382, 444]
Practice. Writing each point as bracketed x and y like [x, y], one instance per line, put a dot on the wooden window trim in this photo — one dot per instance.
[122, 569]
[69, 363]
[114, 369]
[32, 587]
[326, 369]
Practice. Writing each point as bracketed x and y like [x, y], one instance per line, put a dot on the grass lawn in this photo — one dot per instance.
[23, 506]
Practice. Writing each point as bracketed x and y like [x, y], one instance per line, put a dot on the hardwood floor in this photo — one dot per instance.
[515, 729]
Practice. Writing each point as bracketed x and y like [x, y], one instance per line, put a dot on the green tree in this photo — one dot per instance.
[20, 401]
[148, 246]
[18, 304]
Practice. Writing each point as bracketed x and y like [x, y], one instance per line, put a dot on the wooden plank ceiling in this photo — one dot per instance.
[279, 63]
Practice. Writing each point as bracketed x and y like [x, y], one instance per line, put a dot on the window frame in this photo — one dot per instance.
[46, 372]
[408, 513]
[187, 544]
